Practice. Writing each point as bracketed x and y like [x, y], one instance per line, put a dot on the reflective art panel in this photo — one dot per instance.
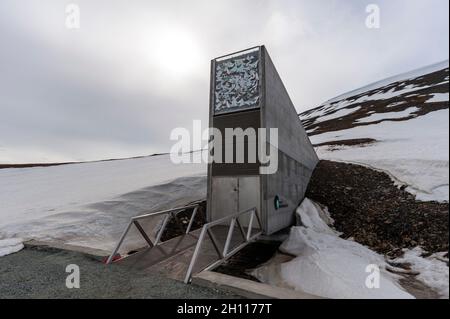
[237, 83]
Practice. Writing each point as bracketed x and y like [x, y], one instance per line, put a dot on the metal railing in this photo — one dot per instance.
[226, 252]
[170, 213]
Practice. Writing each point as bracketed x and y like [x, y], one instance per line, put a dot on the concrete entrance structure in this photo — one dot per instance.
[247, 93]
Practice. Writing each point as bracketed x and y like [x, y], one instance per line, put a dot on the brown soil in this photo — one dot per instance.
[350, 142]
[367, 206]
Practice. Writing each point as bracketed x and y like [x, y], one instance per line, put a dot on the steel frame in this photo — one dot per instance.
[226, 253]
[170, 213]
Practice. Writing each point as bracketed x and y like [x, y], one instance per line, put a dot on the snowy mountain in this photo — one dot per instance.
[399, 125]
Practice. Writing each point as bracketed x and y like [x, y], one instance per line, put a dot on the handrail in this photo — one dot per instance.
[135, 221]
[225, 253]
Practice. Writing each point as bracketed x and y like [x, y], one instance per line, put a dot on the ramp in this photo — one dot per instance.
[196, 250]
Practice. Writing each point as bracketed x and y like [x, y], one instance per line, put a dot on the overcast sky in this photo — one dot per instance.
[135, 70]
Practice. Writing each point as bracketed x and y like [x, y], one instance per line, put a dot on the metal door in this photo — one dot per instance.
[231, 195]
[224, 197]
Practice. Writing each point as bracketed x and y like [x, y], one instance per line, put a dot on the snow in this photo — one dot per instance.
[89, 204]
[413, 152]
[397, 78]
[340, 110]
[396, 104]
[393, 92]
[9, 246]
[314, 217]
[337, 114]
[439, 97]
[433, 270]
[377, 91]
[388, 115]
[327, 265]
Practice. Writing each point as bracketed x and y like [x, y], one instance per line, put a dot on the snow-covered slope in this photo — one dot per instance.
[399, 125]
[401, 77]
[89, 204]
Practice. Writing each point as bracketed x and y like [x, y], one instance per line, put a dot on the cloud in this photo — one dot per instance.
[136, 69]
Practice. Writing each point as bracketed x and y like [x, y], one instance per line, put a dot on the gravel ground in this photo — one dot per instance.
[40, 273]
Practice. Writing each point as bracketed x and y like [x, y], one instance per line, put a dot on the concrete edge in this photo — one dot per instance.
[246, 288]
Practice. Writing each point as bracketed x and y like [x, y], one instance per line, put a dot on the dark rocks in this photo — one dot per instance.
[367, 206]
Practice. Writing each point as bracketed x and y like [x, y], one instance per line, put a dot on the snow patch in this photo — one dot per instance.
[396, 104]
[311, 215]
[433, 270]
[439, 97]
[10, 246]
[337, 114]
[327, 265]
[388, 115]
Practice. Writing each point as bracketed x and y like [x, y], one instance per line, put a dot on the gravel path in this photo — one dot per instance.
[40, 273]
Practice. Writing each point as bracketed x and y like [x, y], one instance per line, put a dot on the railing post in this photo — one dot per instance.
[215, 243]
[257, 218]
[163, 226]
[116, 249]
[195, 255]
[250, 226]
[191, 221]
[230, 234]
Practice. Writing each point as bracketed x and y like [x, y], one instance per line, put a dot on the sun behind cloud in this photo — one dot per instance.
[175, 51]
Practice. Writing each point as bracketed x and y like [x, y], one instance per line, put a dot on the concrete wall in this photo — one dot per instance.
[297, 158]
